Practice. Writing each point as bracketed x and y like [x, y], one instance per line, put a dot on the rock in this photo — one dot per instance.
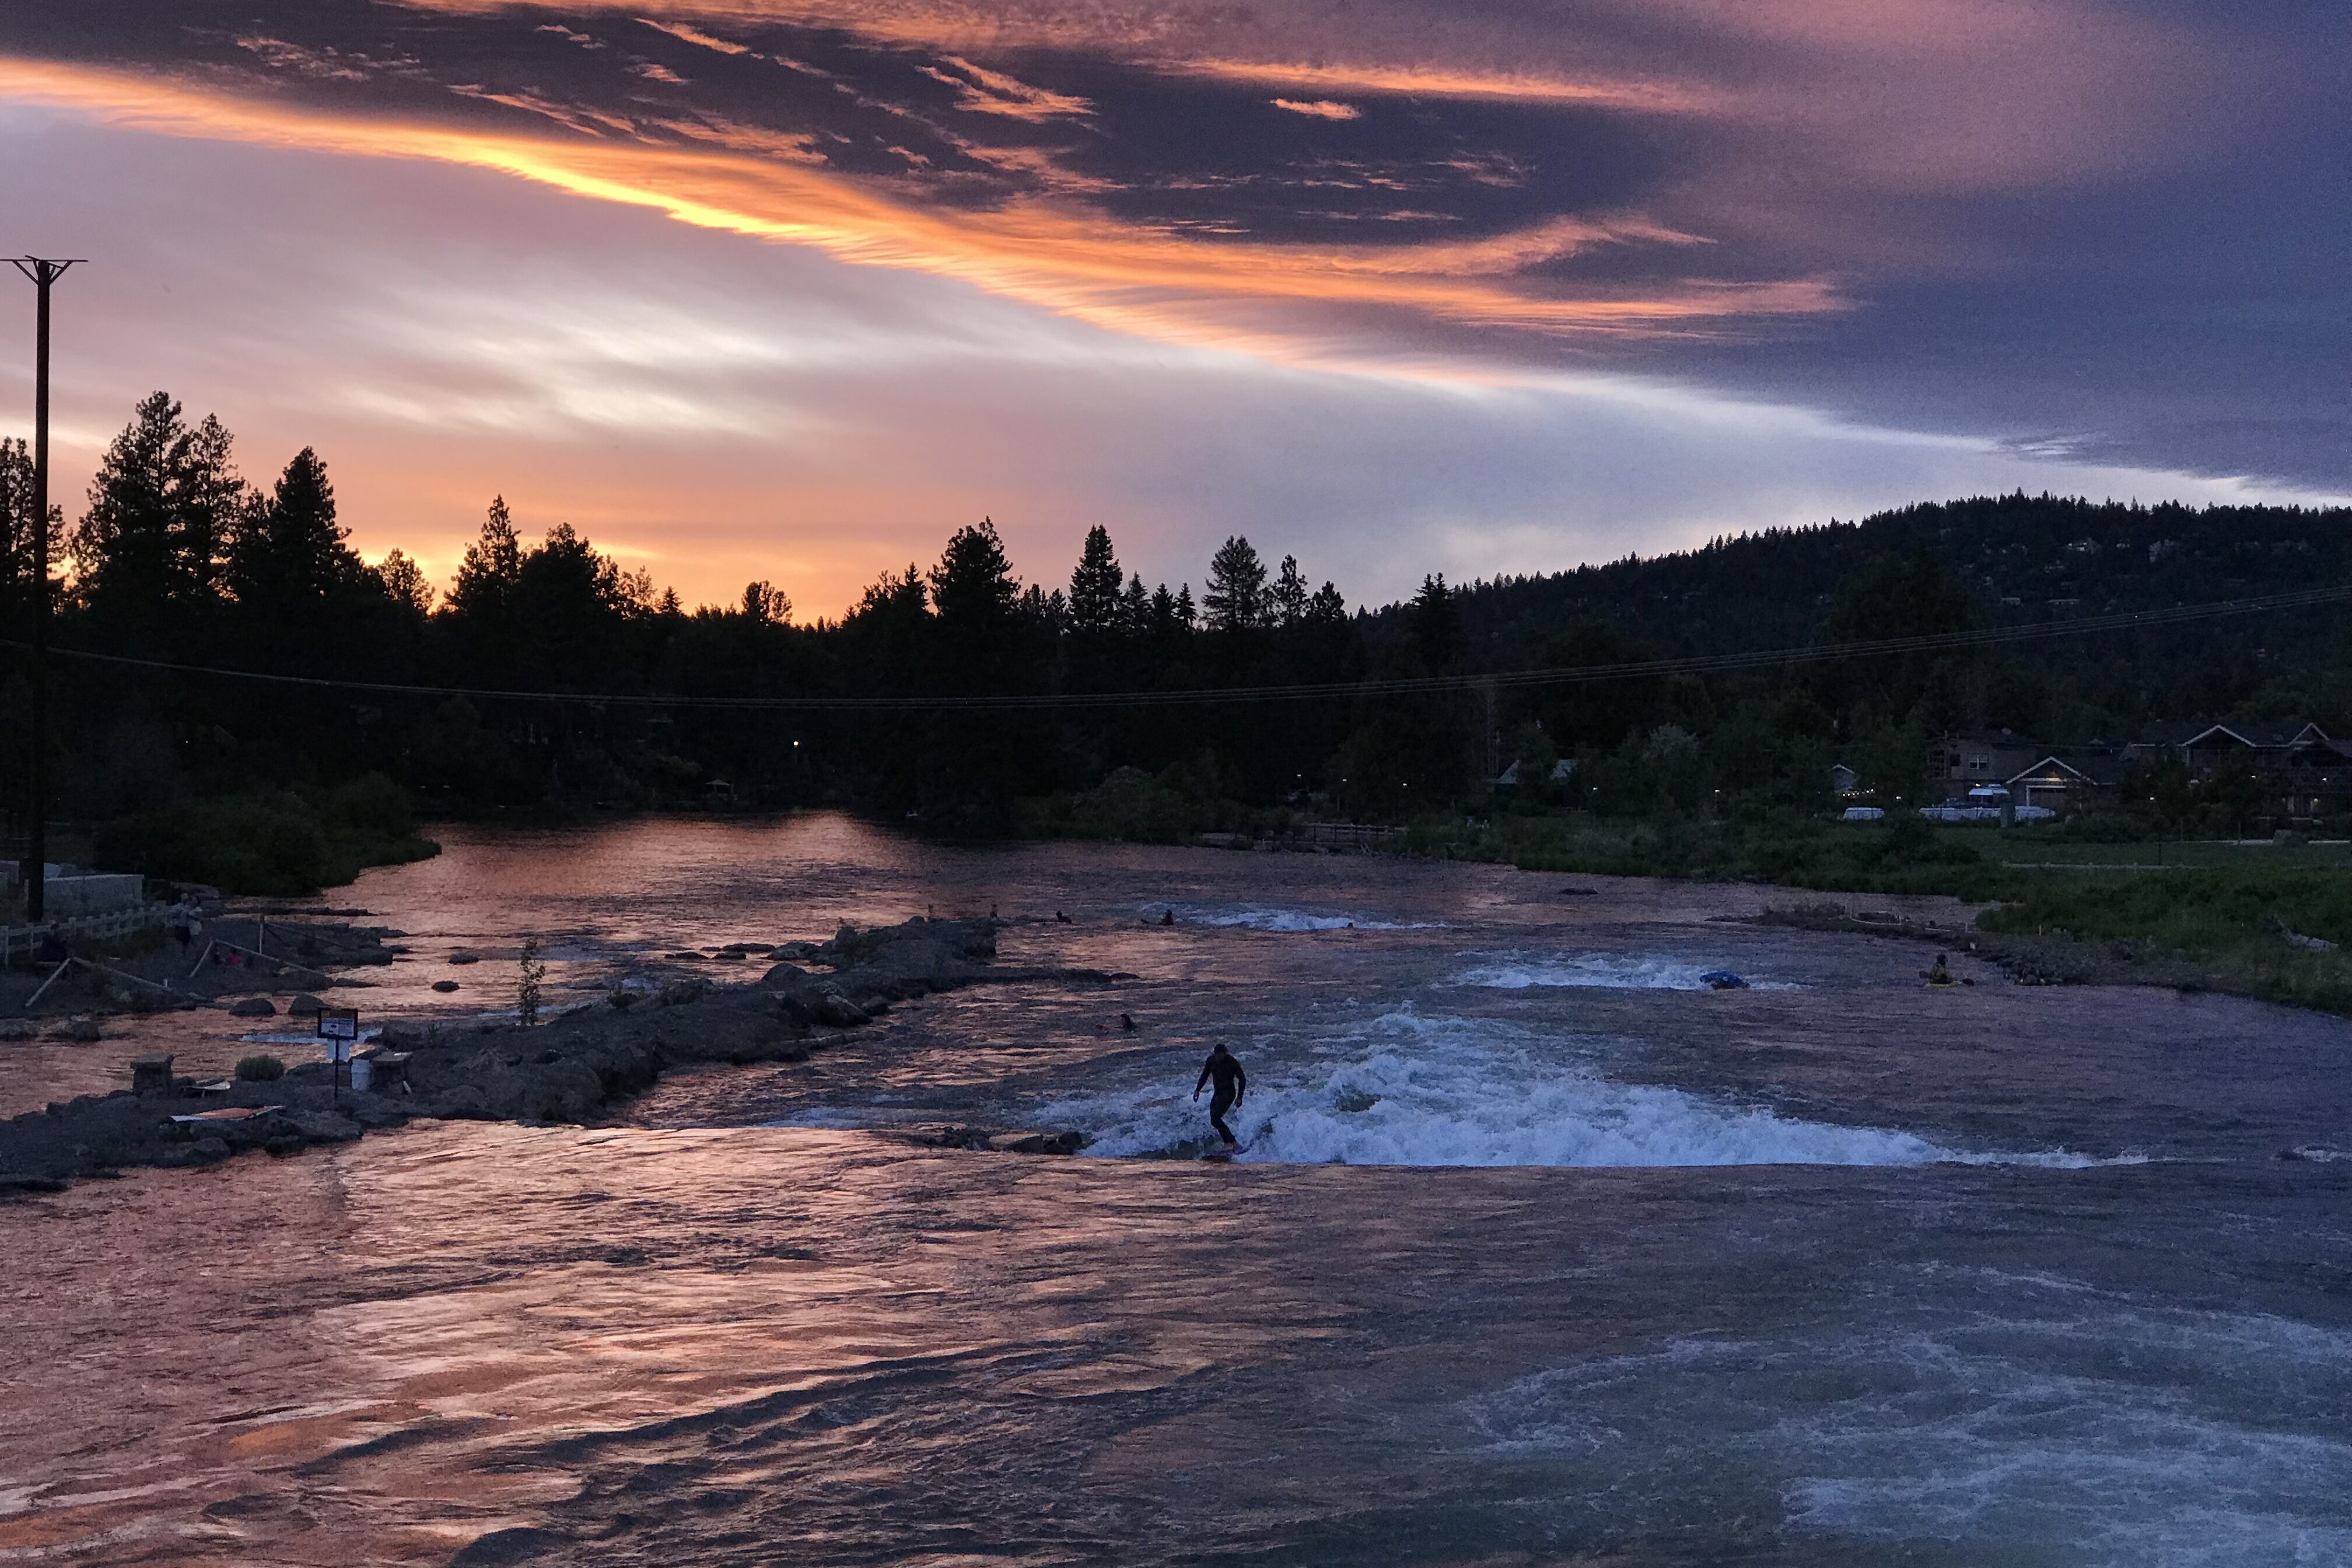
[679, 992]
[874, 1006]
[838, 1011]
[683, 957]
[324, 1126]
[1040, 1143]
[462, 956]
[783, 974]
[83, 1031]
[151, 1077]
[14, 1183]
[13, 1029]
[445, 986]
[253, 1007]
[303, 1002]
[208, 1151]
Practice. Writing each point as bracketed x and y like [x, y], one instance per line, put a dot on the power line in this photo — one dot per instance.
[1699, 664]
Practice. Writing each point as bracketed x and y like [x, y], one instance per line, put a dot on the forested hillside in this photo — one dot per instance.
[611, 694]
[2019, 559]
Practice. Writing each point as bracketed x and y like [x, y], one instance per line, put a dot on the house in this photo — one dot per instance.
[1844, 779]
[1561, 772]
[2069, 783]
[1962, 761]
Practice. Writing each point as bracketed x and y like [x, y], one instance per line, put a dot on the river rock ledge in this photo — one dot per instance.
[572, 1069]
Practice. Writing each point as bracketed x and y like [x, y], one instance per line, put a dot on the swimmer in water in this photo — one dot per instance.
[1940, 971]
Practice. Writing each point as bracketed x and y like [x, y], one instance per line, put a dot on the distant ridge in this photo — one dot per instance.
[2021, 559]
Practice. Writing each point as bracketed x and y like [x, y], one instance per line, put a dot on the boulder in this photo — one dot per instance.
[253, 1007]
[303, 1002]
[82, 1031]
[445, 986]
[13, 1029]
[324, 1126]
[1040, 1143]
[837, 1011]
[679, 992]
[783, 974]
[462, 956]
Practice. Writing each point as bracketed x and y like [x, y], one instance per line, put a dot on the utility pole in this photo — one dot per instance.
[43, 271]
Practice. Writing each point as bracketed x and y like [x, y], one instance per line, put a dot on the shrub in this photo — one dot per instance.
[261, 1069]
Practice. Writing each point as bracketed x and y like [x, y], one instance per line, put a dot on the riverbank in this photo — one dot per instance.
[577, 1069]
[2269, 921]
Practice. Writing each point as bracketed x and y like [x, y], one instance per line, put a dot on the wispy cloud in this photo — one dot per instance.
[1319, 108]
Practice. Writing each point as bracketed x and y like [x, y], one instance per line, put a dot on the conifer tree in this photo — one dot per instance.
[1235, 595]
[1095, 601]
[1288, 596]
[290, 553]
[486, 580]
[403, 582]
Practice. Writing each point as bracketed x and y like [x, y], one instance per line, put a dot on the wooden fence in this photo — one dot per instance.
[20, 939]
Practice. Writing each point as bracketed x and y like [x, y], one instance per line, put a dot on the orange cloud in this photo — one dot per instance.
[1059, 254]
[1319, 108]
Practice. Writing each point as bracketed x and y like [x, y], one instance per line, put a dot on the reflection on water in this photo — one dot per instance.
[700, 1339]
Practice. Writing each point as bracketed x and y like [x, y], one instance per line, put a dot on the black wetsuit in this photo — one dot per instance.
[1226, 1069]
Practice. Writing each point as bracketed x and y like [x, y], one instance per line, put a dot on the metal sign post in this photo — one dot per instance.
[340, 1027]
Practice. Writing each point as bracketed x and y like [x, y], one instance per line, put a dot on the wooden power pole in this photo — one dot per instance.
[43, 271]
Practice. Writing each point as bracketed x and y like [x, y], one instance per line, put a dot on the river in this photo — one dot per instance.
[1542, 1251]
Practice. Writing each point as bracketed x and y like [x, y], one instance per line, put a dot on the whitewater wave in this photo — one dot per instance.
[1266, 917]
[1410, 1090]
[1610, 972]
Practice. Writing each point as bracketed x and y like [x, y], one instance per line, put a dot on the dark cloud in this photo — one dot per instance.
[2113, 232]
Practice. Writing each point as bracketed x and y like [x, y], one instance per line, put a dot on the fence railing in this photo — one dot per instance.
[16, 940]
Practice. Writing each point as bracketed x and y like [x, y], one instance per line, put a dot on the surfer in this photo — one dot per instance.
[1169, 918]
[1232, 1084]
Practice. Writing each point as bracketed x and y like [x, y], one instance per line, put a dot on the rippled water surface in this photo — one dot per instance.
[1543, 1251]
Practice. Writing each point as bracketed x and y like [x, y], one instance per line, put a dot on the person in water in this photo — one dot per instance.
[1232, 1084]
[1940, 971]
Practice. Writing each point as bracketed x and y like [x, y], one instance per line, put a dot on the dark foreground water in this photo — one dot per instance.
[1542, 1253]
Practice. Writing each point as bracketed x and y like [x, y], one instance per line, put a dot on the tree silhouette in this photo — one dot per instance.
[1235, 596]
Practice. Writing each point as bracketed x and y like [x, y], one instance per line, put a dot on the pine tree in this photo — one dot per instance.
[486, 580]
[1436, 621]
[1186, 617]
[290, 555]
[1288, 599]
[1095, 601]
[972, 587]
[1236, 597]
[147, 555]
[1135, 609]
[403, 582]
[1328, 607]
[17, 537]
[766, 604]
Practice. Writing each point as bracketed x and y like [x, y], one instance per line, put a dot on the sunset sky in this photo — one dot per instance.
[790, 289]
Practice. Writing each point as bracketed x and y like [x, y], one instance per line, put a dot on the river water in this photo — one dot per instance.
[1542, 1251]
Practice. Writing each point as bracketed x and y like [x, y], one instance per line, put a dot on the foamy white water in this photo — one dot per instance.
[1610, 972]
[1266, 917]
[1406, 1090]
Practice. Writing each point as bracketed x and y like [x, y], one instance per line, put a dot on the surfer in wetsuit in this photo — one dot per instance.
[1232, 1084]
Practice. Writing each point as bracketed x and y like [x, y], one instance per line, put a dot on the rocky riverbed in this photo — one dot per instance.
[577, 1067]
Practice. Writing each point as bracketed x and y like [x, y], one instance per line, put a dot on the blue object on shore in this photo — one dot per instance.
[1724, 980]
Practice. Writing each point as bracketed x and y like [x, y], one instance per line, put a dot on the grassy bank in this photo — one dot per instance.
[2266, 920]
[272, 841]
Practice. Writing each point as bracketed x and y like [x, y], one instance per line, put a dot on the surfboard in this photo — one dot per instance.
[1225, 1156]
